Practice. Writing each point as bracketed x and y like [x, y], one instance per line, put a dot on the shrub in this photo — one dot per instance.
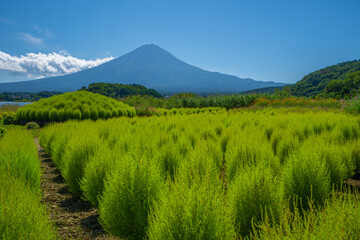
[129, 194]
[94, 114]
[121, 112]
[338, 163]
[77, 114]
[86, 114]
[95, 171]
[38, 115]
[80, 149]
[19, 114]
[305, 179]
[10, 119]
[195, 211]
[32, 114]
[253, 194]
[2, 132]
[168, 159]
[115, 113]
[32, 126]
[61, 116]
[242, 152]
[53, 115]
[102, 113]
[108, 114]
[19, 157]
[45, 114]
[69, 114]
[337, 220]
[21, 214]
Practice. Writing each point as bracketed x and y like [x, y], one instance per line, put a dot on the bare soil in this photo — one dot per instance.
[353, 182]
[73, 217]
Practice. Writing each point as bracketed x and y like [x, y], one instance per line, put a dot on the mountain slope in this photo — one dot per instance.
[314, 83]
[148, 65]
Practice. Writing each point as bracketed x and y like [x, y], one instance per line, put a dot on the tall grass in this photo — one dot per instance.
[19, 157]
[21, 214]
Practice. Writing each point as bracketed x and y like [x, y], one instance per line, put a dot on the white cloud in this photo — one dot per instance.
[30, 38]
[43, 31]
[40, 65]
[7, 21]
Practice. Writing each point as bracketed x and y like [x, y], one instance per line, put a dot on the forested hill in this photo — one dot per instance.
[316, 82]
[120, 90]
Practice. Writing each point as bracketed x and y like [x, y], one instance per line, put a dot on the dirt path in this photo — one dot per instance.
[354, 182]
[73, 217]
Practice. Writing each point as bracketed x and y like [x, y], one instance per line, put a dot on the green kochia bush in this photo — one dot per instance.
[10, 119]
[129, 193]
[75, 105]
[254, 194]
[80, 149]
[53, 115]
[18, 157]
[225, 174]
[95, 172]
[21, 214]
[2, 132]
[191, 211]
[242, 152]
[338, 219]
[306, 178]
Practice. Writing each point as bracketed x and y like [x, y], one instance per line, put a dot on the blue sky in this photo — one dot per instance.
[266, 40]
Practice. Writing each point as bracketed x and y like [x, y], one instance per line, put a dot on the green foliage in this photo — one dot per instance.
[254, 194]
[94, 114]
[18, 157]
[75, 105]
[61, 115]
[77, 114]
[79, 151]
[186, 100]
[32, 126]
[195, 211]
[2, 132]
[351, 105]
[25, 96]
[10, 119]
[337, 220]
[193, 172]
[45, 114]
[315, 83]
[53, 115]
[21, 214]
[120, 90]
[306, 179]
[86, 114]
[108, 114]
[129, 194]
[95, 172]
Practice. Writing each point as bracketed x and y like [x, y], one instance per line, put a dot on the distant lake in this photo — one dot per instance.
[18, 103]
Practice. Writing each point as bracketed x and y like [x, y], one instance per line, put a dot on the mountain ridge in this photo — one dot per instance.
[150, 66]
